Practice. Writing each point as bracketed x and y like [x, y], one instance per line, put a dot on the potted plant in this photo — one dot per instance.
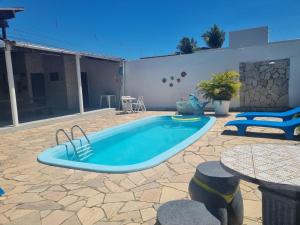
[221, 88]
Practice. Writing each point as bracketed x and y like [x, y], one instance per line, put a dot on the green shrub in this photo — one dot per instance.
[222, 86]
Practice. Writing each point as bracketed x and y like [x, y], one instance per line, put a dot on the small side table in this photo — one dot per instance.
[108, 98]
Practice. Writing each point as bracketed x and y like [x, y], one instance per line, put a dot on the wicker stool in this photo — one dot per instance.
[185, 212]
[219, 191]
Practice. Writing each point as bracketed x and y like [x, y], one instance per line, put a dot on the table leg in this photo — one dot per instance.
[108, 101]
[132, 108]
[100, 101]
[280, 207]
[115, 101]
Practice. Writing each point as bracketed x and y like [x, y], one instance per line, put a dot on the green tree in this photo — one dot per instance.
[187, 45]
[215, 37]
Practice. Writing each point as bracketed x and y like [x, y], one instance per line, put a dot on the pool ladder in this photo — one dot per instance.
[82, 152]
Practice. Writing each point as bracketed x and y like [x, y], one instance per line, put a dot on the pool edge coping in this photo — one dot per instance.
[46, 158]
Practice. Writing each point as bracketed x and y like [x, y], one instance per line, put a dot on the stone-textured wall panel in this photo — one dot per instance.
[265, 84]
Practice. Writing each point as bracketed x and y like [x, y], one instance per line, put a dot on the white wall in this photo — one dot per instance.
[144, 76]
[101, 76]
[248, 37]
[55, 90]
[46, 64]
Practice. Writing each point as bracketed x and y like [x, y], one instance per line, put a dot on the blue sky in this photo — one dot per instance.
[137, 28]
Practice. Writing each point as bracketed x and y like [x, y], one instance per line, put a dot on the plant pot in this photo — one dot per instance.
[221, 107]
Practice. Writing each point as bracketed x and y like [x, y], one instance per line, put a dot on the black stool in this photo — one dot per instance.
[219, 191]
[185, 212]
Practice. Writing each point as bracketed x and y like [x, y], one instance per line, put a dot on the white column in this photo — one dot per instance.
[11, 84]
[123, 78]
[78, 72]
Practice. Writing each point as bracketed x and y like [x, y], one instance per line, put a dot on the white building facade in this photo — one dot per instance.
[156, 78]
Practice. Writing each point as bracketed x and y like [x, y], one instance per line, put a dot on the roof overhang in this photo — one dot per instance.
[9, 13]
[63, 51]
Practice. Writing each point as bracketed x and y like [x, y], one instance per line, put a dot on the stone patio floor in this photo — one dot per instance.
[41, 194]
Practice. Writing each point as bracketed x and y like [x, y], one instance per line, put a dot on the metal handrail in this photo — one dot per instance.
[68, 137]
[77, 126]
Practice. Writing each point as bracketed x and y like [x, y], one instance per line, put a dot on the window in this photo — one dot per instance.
[54, 76]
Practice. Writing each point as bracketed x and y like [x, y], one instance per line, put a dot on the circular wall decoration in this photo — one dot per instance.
[183, 74]
[174, 80]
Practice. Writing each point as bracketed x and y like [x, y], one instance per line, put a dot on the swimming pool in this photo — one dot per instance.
[132, 146]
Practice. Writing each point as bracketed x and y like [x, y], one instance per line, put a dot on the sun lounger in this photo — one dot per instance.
[287, 115]
[287, 126]
[1, 192]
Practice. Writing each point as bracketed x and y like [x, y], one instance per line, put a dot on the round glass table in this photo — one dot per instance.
[276, 169]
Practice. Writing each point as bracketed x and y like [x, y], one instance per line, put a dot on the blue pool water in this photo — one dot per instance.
[134, 146]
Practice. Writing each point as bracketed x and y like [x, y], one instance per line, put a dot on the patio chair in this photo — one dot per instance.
[285, 116]
[127, 104]
[139, 104]
[287, 126]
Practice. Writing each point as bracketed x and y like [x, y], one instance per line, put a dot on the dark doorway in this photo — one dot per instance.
[85, 89]
[38, 88]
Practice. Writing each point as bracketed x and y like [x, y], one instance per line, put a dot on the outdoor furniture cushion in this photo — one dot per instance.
[287, 115]
[185, 212]
[287, 126]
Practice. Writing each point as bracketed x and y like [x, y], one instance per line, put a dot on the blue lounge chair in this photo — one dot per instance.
[1, 192]
[285, 116]
[287, 126]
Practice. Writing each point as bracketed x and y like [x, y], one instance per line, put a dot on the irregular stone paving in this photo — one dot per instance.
[40, 194]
